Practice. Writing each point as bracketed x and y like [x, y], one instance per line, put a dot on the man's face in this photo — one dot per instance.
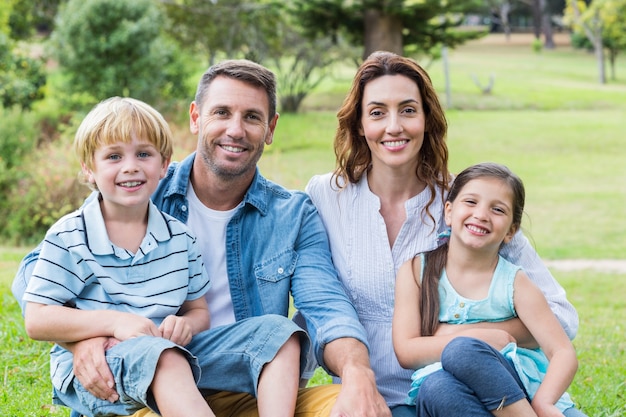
[233, 127]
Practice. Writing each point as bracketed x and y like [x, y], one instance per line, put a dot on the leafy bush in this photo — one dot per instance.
[22, 77]
[115, 48]
[38, 176]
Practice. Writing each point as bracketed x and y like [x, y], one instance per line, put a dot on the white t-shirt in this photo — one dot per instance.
[213, 249]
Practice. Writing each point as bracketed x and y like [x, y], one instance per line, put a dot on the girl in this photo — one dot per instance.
[463, 281]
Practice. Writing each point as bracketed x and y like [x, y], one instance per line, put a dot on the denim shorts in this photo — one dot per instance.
[224, 358]
[132, 363]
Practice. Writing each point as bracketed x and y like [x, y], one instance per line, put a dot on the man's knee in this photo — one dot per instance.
[317, 401]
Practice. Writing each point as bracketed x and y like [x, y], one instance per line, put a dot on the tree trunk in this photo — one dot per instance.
[537, 19]
[382, 33]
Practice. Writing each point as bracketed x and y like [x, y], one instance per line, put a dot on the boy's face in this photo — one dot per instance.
[126, 174]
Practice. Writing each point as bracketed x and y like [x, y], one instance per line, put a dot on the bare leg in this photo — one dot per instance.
[175, 390]
[278, 383]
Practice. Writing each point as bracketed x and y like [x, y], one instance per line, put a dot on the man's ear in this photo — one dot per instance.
[269, 138]
[194, 114]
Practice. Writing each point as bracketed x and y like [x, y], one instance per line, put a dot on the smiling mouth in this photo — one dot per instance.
[477, 229]
[395, 143]
[131, 184]
[234, 149]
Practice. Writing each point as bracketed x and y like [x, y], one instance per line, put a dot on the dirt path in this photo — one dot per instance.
[599, 265]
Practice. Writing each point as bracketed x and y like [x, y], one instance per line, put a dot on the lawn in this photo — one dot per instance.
[547, 118]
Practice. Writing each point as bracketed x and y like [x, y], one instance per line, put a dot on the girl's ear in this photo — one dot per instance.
[512, 230]
[448, 213]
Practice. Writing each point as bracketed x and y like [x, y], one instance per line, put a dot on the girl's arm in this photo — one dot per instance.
[414, 350]
[513, 326]
[64, 324]
[192, 318]
[532, 308]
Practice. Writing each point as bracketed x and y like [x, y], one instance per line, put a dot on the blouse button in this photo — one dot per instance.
[456, 316]
[462, 305]
[281, 270]
[183, 208]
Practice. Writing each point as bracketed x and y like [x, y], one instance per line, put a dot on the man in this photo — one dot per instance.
[260, 243]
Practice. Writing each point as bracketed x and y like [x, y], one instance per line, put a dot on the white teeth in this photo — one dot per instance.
[232, 148]
[131, 184]
[396, 143]
[477, 229]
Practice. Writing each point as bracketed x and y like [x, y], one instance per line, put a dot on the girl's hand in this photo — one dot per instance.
[546, 410]
[496, 338]
[176, 329]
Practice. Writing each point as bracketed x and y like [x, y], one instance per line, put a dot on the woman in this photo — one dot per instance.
[383, 204]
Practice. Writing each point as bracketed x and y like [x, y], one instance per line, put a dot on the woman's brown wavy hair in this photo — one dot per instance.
[353, 156]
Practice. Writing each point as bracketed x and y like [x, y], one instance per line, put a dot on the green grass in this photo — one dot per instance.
[547, 118]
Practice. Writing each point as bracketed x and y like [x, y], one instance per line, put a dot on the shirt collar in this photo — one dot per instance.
[98, 240]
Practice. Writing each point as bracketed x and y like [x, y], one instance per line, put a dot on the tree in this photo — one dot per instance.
[234, 27]
[588, 19]
[611, 28]
[115, 47]
[391, 25]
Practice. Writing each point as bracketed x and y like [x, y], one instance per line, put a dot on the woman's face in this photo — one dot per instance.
[393, 121]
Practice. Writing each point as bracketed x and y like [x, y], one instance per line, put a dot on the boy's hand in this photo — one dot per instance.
[131, 325]
[176, 329]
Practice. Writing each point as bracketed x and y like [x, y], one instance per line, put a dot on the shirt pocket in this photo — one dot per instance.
[277, 268]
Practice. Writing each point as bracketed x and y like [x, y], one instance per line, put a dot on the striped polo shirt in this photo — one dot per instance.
[80, 267]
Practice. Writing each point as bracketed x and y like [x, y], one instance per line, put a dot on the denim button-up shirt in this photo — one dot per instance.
[276, 244]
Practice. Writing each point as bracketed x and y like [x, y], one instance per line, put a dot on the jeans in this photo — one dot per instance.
[471, 384]
[230, 358]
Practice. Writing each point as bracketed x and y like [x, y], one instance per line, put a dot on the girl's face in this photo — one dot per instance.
[481, 216]
[126, 174]
[393, 121]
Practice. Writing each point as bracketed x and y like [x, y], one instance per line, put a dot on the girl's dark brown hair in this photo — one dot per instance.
[435, 260]
[352, 153]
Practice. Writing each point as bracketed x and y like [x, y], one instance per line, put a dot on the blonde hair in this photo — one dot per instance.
[117, 119]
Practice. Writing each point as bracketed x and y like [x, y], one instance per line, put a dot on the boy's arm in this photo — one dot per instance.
[192, 318]
[64, 324]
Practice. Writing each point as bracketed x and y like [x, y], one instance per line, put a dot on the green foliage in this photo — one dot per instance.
[423, 24]
[115, 47]
[38, 181]
[22, 77]
[234, 28]
[17, 141]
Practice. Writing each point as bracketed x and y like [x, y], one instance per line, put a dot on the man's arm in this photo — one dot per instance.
[348, 358]
[332, 321]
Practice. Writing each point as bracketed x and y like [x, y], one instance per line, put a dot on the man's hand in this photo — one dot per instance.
[91, 368]
[359, 396]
